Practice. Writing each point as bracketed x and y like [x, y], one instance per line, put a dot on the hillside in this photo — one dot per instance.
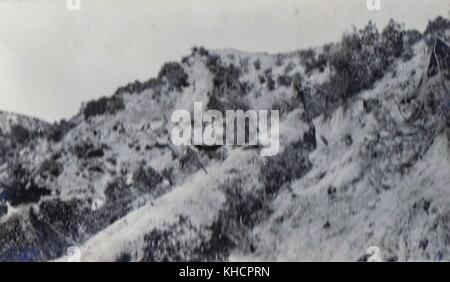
[15, 131]
[364, 160]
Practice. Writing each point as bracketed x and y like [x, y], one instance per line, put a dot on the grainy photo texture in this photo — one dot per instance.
[297, 130]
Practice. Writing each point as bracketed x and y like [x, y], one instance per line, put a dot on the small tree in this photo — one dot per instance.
[436, 28]
[361, 60]
[104, 105]
[290, 164]
[20, 134]
[175, 75]
[393, 39]
[437, 25]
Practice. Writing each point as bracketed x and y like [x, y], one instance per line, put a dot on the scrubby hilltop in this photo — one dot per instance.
[15, 132]
[364, 161]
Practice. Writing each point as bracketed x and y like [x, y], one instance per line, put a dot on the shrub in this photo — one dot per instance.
[288, 68]
[67, 217]
[244, 64]
[57, 131]
[175, 75]
[284, 80]
[179, 241]
[262, 79]
[213, 63]
[364, 56]
[21, 188]
[233, 101]
[18, 241]
[327, 47]
[307, 54]
[86, 149]
[116, 190]
[359, 62]
[135, 86]
[297, 82]
[243, 205]
[412, 36]
[151, 83]
[119, 197]
[146, 179]
[242, 210]
[398, 42]
[257, 64]
[200, 51]
[321, 62]
[269, 79]
[313, 61]
[436, 28]
[290, 164]
[225, 77]
[51, 167]
[20, 134]
[407, 54]
[190, 161]
[279, 60]
[104, 105]
[228, 91]
[437, 25]
[312, 99]
[392, 38]
[138, 87]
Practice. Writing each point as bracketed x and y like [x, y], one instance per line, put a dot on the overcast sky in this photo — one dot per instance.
[52, 59]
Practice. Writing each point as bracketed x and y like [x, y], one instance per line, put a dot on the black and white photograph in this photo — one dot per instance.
[224, 131]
